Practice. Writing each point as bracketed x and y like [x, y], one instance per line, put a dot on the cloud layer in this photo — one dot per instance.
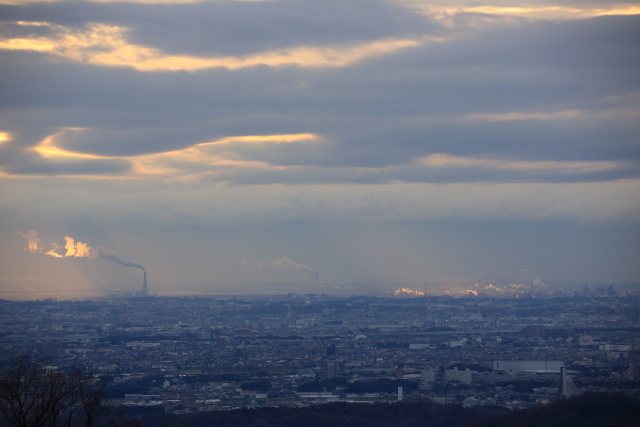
[239, 113]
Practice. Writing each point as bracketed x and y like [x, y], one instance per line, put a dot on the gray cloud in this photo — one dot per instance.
[235, 27]
[383, 112]
[76, 167]
[502, 126]
[247, 27]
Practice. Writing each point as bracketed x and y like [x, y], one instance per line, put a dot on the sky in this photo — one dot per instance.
[246, 146]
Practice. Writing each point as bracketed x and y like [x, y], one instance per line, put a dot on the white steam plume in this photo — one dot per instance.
[74, 249]
[287, 264]
[33, 244]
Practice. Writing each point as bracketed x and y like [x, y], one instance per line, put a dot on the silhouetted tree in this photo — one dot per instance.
[33, 394]
[86, 403]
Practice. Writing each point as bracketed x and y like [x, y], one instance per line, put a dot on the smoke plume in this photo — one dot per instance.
[408, 292]
[287, 264]
[111, 256]
[74, 249]
[33, 244]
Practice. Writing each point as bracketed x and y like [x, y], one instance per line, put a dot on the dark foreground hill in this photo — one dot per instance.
[587, 410]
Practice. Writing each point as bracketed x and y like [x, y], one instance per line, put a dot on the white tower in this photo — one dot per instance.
[563, 389]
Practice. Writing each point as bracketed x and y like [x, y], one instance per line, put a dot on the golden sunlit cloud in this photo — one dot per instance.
[106, 45]
[553, 115]
[5, 136]
[150, 1]
[172, 1]
[33, 23]
[296, 137]
[48, 149]
[210, 158]
[529, 10]
[22, 2]
[185, 164]
[201, 157]
[499, 117]
[446, 160]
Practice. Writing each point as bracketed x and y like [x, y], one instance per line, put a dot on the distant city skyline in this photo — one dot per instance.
[219, 144]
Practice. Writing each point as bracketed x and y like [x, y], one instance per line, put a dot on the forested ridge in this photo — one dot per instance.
[587, 410]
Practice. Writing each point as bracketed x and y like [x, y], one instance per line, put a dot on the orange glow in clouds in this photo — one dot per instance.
[199, 158]
[48, 149]
[181, 164]
[106, 45]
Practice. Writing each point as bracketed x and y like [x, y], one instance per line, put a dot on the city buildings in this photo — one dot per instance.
[195, 354]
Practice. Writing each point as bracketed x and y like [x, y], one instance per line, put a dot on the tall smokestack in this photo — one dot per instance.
[144, 284]
[563, 388]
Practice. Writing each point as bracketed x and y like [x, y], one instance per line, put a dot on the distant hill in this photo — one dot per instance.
[587, 410]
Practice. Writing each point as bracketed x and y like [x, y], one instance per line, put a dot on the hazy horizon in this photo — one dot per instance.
[228, 144]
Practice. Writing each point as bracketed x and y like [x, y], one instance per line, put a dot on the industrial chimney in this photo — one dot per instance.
[144, 285]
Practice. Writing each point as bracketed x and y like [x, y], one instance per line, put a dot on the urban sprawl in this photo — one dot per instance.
[189, 354]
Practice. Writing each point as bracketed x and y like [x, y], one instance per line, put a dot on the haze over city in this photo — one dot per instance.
[323, 146]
